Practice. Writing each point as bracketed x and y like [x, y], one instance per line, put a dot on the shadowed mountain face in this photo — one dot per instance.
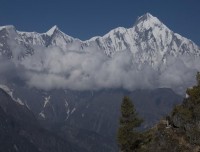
[91, 117]
[20, 131]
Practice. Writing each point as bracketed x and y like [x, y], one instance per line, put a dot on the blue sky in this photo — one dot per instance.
[87, 18]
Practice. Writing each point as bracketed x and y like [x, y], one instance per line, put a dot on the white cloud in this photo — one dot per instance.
[51, 68]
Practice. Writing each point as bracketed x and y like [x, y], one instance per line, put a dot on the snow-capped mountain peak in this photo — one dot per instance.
[52, 30]
[148, 21]
[149, 40]
[147, 17]
[7, 27]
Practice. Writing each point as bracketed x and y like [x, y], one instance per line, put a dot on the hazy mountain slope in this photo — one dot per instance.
[53, 109]
[20, 131]
[96, 111]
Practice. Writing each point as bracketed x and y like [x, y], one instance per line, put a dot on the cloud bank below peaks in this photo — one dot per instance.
[52, 68]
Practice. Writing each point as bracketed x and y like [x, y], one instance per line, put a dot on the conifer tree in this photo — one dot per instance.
[128, 137]
[198, 78]
[194, 92]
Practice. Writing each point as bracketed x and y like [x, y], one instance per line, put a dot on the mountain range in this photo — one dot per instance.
[149, 40]
[74, 88]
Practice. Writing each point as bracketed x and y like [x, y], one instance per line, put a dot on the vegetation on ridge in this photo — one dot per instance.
[178, 132]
